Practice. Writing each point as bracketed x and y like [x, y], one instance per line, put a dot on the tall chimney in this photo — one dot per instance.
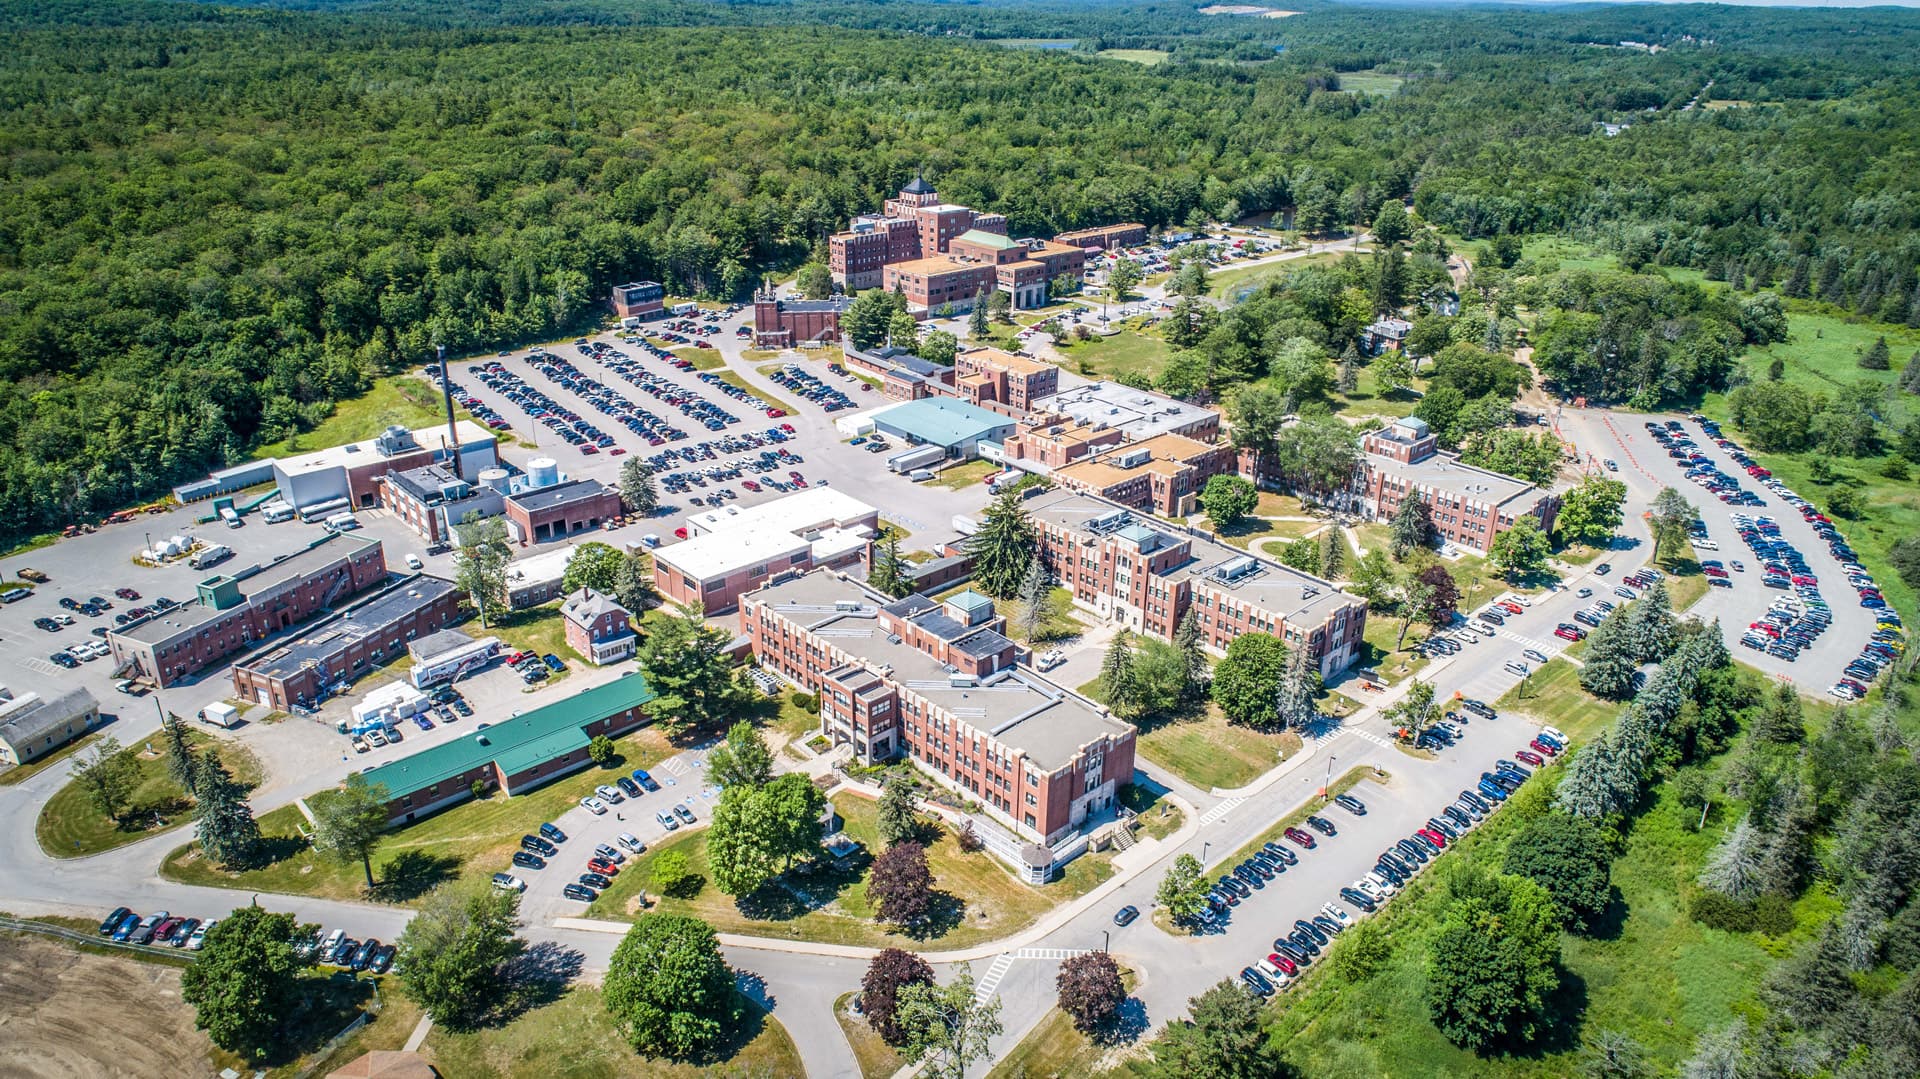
[453, 429]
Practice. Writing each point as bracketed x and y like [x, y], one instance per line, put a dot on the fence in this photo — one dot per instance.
[93, 940]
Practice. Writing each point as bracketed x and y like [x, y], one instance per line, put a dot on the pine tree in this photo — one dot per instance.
[1116, 674]
[1797, 286]
[1491, 340]
[637, 490]
[226, 827]
[1332, 552]
[1910, 374]
[1780, 719]
[1831, 287]
[1349, 369]
[1875, 358]
[1736, 276]
[1003, 548]
[1297, 686]
[889, 568]
[977, 318]
[1733, 869]
[182, 764]
[1411, 526]
[1187, 639]
[898, 818]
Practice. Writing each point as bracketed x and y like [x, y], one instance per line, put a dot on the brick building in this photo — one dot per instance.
[233, 611]
[337, 650]
[349, 476]
[641, 299]
[516, 754]
[988, 377]
[1146, 575]
[431, 499]
[1163, 475]
[1469, 506]
[938, 684]
[781, 323]
[560, 510]
[903, 376]
[1046, 441]
[597, 627]
[734, 550]
[1105, 237]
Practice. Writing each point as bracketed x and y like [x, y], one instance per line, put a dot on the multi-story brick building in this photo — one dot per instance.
[597, 627]
[1046, 441]
[1469, 506]
[1105, 237]
[431, 499]
[1146, 575]
[903, 376]
[781, 323]
[989, 376]
[641, 299]
[735, 550]
[558, 511]
[938, 683]
[1162, 475]
[233, 611]
[339, 649]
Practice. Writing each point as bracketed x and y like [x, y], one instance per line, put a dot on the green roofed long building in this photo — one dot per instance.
[514, 755]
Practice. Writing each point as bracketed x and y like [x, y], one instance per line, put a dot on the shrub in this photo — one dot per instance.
[1716, 911]
[806, 702]
[1773, 915]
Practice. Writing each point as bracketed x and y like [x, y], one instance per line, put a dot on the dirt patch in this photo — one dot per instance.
[51, 1006]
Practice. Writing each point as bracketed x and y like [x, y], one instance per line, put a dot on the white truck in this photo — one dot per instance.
[965, 525]
[342, 522]
[230, 516]
[220, 714]
[211, 555]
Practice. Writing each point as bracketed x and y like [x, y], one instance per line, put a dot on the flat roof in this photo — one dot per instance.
[367, 451]
[369, 618]
[935, 265]
[539, 568]
[943, 421]
[1022, 710]
[323, 552]
[1283, 590]
[1139, 414]
[1442, 471]
[801, 511]
[1026, 365]
[732, 538]
[511, 739]
[560, 494]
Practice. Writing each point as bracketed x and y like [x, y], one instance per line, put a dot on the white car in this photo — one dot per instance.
[594, 806]
[199, 938]
[610, 794]
[631, 842]
[507, 882]
[1338, 915]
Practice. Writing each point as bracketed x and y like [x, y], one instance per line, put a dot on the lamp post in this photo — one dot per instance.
[1204, 847]
[1106, 938]
[1328, 785]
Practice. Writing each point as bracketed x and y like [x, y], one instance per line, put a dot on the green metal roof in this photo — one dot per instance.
[988, 239]
[942, 421]
[970, 601]
[514, 744]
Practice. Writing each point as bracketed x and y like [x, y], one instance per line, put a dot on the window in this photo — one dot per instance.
[1031, 800]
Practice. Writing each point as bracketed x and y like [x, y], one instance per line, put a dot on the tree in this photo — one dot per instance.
[1186, 638]
[1373, 578]
[1090, 990]
[455, 953]
[1442, 595]
[1569, 857]
[1123, 276]
[1875, 358]
[1416, 596]
[1414, 710]
[593, 565]
[1612, 659]
[633, 584]
[685, 664]
[1348, 379]
[891, 971]
[1590, 512]
[1246, 682]
[814, 281]
[1780, 719]
[107, 774]
[939, 347]
[1393, 371]
[903, 332]
[1037, 609]
[1158, 679]
[244, 985]
[1317, 455]
[757, 831]
[743, 760]
[480, 565]
[1227, 499]
[1521, 550]
[1254, 416]
[1299, 684]
[889, 573]
[1116, 675]
[899, 884]
[1301, 368]
[181, 761]
[1003, 547]
[948, 1026]
[1390, 224]
[1183, 891]
[671, 872]
[1494, 964]
[898, 815]
[1733, 869]
[1669, 519]
[225, 826]
[1224, 1037]
[667, 988]
[977, 318]
[868, 318]
[600, 750]
[1362, 951]
[1412, 526]
[638, 493]
[1845, 501]
[349, 822]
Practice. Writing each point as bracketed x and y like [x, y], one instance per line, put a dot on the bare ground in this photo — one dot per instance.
[71, 1015]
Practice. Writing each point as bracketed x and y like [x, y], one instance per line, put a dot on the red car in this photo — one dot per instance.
[1437, 838]
[518, 657]
[602, 867]
[1511, 607]
[1283, 963]
[750, 485]
[680, 533]
[1529, 757]
[126, 593]
[1542, 748]
[1568, 633]
[787, 427]
[1300, 837]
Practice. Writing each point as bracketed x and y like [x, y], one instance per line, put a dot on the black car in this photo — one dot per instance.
[1358, 898]
[363, 955]
[628, 786]
[1285, 947]
[64, 659]
[1125, 915]
[462, 707]
[113, 921]
[580, 892]
[553, 833]
[1304, 942]
[1255, 982]
[1414, 851]
[1281, 853]
[342, 953]
[528, 861]
[595, 880]
[1351, 804]
[1320, 936]
[382, 959]
[533, 844]
[1322, 825]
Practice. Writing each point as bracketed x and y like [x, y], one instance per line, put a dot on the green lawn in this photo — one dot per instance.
[963, 476]
[1382, 630]
[1124, 353]
[1571, 254]
[702, 359]
[402, 399]
[1369, 399]
[574, 1038]
[1149, 57]
[1231, 283]
[70, 826]
[1370, 82]
[1062, 625]
[982, 900]
[1204, 749]
[541, 630]
[1056, 1049]
[876, 1058]
[472, 839]
[732, 378]
[1552, 694]
[1822, 348]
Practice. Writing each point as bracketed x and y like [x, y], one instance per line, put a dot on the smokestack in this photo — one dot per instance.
[446, 392]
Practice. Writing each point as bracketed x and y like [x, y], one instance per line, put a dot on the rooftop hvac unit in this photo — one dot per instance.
[1236, 569]
[846, 605]
[1308, 591]
[1135, 458]
[962, 681]
[1107, 521]
[893, 637]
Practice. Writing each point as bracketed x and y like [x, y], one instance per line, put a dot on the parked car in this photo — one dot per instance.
[594, 806]
[525, 860]
[609, 794]
[1351, 804]
[1322, 825]
[667, 820]
[579, 892]
[507, 882]
[645, 780]
[112, 921]
[686, 815]
[1300, 837]
[631, 842]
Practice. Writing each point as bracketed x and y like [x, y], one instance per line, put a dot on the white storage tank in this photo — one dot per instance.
[543, 472]
[494, 479]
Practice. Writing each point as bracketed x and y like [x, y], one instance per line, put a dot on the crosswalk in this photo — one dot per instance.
[1049, 953]
[990, 981]
[1371, 737]
[1220, 810]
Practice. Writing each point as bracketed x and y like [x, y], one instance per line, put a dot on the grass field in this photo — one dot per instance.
[702, 359]
[1149, 57]
[1370, 82]
[469, 839]
[575, 1038]
[732, 378]
[1552, 694]
[1055, 1049]
[877, 1059]
[1201, 747]
[963, 476]
[538, 629]
[1124, 353]
[399, 399]
[70, 826]
[978, 899]
[1571, 254]
[1230, 283]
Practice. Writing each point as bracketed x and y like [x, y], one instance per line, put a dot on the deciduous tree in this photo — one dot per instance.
[1224, 1037]
[743, 760]
[1227, 499]
[593, 565]
[1570, 858]
[1521, 550]
[455, 953]
[1090, 990]
[899, 884]
[1183, 891]
[667, 988]
[244, 985]
[480, 564]
[1246, 682]
[889, 972]
[1494, 964]
[107, 774]
[948, 1027]
[349, 822]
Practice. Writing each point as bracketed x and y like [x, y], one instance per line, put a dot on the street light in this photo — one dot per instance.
[1329, 783]
[1106, 938]
[1204, 847]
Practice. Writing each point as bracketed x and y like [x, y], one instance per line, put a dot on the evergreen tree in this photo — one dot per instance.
[1910, 374]
[1116, 675]
[225, 825]
[1187, 639]
[684, 661]
[1003, 548]
[1798, 284]
[1780, 719]
[898, 819]
[633, 584]
[638, 492]
[1298, 685]
[1876, 357]
[182, 764]
[1349, 369]
[1333, 552]
[889, 574]
[1036, 608]
[977, 318]
[1411, 527]
[1733, 869]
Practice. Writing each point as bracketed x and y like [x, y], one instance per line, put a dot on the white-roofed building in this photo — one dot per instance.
[733, 550]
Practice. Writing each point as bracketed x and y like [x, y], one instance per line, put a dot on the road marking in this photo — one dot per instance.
[40, 666]
[1220, 810]
[676, 766]
[1371, 737]
[1049, 953]
[983, 991]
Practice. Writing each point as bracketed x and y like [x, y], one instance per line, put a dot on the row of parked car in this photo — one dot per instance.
[738, 442]
[602, 865]
[1396, 866]
[744, 396]
[1272, 859]
[808, 385]
[1672, 437]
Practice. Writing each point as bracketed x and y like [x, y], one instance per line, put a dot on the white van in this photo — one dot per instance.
[920, 475]
[342, 522]
[413, 562]
[231, 518]
[276, 512]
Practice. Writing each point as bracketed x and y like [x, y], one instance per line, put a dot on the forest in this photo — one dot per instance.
[217, 221]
